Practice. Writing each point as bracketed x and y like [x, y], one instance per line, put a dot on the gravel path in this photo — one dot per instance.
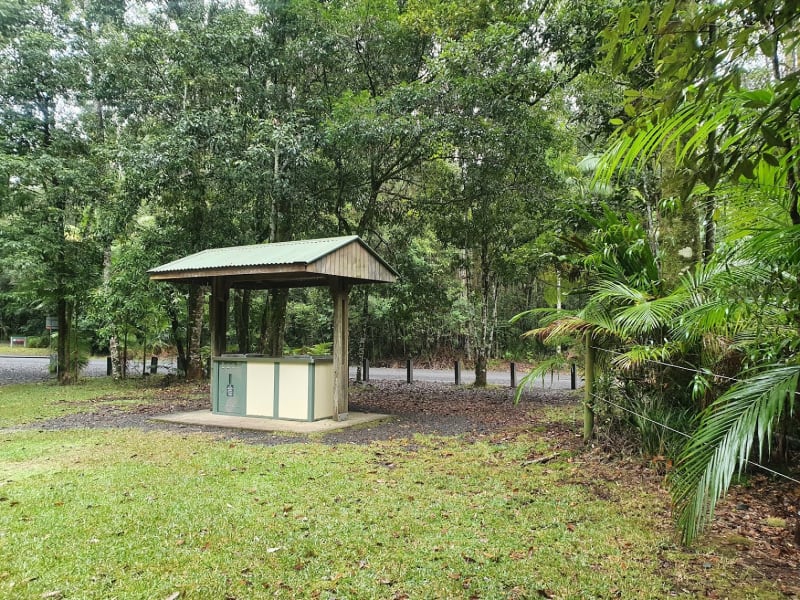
[421, 408]
[431, 405]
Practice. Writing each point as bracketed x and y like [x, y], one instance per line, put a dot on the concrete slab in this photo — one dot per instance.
[206, 418]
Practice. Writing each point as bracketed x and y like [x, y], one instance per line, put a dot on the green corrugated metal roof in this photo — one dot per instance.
[279, 253]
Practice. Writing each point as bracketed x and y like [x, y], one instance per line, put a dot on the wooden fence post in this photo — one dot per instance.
[409, 371]
[458, 372]
[513, 375]
[573, 377]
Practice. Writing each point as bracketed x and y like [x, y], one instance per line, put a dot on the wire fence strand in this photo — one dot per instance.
[666, 364]
[688, 436]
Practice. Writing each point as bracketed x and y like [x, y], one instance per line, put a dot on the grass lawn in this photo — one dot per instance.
[6, 349]
[25, 403]
[133, 514]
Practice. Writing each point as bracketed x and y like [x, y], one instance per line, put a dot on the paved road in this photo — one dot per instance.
[19, 369]
[26, 369]
[560, 381]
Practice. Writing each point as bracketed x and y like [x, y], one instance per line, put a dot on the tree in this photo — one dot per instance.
[52, 172]
[497, 177]
[726, 125]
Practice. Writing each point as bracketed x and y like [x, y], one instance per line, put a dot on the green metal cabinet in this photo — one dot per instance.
[230, 387]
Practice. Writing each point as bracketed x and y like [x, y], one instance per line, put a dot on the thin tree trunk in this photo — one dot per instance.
[710, 201]
[62, 314]
[144, 353]
[194, 369]
[113, 349]
[125, 352]
[175, 326]
[241, 311]
[483, 345]
[558, 301]
[362, 342]
[273, 320]
[113, 342]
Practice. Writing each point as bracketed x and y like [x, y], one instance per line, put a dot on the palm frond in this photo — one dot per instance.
[648, 316]
[546, 314]
[781, 244]
[616, 292]
[717, 315]
[639, 355]
[540, 370]
[723, 441]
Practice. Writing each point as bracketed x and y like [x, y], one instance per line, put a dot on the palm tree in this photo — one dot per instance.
[724, 127]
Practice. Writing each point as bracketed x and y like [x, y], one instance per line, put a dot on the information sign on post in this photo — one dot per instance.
[51, 323]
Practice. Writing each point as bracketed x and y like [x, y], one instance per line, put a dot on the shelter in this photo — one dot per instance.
[337, 263]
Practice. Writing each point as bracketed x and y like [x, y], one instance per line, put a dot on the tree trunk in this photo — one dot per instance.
[710, 200]
[125, 353]
[113, 342]
[241, 311]
[144, 353]
[175, 326]
[483, 344]
[194, 308]
[113, 350]
[362, 342]
[64, 350]
[273, 321]
[480, 368]
[679, 233]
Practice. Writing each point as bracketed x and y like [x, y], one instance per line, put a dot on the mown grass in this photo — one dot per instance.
[9, 350]
[132, 514]
[26, 403]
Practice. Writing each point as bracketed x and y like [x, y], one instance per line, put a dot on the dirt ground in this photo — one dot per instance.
[754, 525]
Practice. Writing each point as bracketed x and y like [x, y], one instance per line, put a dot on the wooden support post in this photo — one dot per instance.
[409, 371]
[588, 401]
[219, 316]
[513, 375]
[153, 365]
[573, 377]
[108, 366]
[340, 292]
[365, 369]
[458, 372]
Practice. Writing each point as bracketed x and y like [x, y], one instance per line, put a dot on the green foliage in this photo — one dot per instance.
[707, 109]
[35, 341]
[723, 441]
[321, 349]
